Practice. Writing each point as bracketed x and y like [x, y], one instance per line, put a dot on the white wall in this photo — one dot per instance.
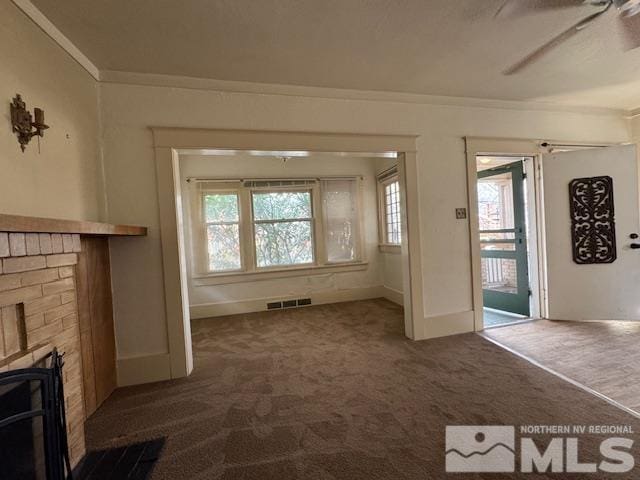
[210, 300]
[63, 180]
[129, 110]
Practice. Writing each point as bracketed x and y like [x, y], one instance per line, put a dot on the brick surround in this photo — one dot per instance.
[39, 311]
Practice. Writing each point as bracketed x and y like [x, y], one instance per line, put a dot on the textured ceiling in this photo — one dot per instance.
[437, 47]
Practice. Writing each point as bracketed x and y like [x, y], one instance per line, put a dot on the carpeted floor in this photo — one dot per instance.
[337, 392]
[604, 356]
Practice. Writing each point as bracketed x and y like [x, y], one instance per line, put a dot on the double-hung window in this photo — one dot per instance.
[250, 226]
[221, 212]
[390, 225]
[283, 228]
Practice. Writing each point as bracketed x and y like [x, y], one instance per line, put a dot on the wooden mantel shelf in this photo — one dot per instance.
[17, 223]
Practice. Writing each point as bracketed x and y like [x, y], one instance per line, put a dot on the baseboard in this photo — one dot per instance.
[144, 369]
[448, 324]
[393, 295]
[260, 304]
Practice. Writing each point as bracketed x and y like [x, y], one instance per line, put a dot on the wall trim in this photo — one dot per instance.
[144, 369]
[448, 324]
[393, 295]
[195, 83]
[206, 310]
[37, 17]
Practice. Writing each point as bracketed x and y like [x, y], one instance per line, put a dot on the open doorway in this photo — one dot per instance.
[505, 217]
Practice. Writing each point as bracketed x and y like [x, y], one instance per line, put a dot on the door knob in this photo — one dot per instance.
[633, 236]
[635, 246]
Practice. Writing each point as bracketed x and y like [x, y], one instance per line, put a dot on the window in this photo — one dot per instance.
[222, 229]
[341, 220]
[389, 208]
[265, 225]
[283, 228]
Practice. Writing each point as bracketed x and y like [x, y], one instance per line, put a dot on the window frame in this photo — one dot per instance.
[383, 180]
[204, 240]
[248, 256]
[311, 220]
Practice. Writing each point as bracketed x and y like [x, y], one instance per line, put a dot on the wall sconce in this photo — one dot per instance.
[23, 123]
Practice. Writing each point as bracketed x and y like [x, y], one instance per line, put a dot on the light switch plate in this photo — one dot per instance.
[461, 213]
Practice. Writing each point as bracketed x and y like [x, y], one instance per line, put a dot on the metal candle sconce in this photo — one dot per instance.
[23, 123]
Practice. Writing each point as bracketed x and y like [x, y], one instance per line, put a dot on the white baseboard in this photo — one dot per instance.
[260, 304]
[448, 324]
[144, 369]
[393, 295]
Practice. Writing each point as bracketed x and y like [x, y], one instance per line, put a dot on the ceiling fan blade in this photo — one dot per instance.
[554, 42]
[629, 27]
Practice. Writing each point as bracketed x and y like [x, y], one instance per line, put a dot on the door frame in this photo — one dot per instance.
[525, 147]
[475, 146]
[520, 253]
[170, 142]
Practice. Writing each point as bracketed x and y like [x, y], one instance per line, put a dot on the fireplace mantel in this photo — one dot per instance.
[17, 223]
[55, 292]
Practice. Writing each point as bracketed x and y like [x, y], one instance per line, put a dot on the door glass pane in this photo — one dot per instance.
[221, 207]
[281, 205]
[223, 247]
[495, 202]
[490, 236]
[341, 219]
[283, 243]
[500, 275]
[504, 247]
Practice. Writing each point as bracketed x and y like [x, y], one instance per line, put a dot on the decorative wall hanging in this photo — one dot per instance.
[23, 123]
[593, 229]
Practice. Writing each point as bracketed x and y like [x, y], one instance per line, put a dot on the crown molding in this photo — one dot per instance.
[194, 83]
[31, 11]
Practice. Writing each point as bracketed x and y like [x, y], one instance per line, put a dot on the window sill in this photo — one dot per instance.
[240, 277]
[389, 248]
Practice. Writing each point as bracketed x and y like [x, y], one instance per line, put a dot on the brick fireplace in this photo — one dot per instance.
[39, 311]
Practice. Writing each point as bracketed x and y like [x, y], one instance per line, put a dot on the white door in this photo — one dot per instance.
[601, 291]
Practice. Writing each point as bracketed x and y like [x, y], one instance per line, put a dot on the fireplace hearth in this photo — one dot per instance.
[33, 437]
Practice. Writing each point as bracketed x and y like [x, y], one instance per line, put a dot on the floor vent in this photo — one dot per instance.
[300, 302]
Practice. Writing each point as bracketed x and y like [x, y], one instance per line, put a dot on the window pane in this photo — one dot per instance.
[500, 275]
[392, 212]
[281, 205]
[221, 207]
[283, 243]
[223, 246]
[341, 219]
[495, 202]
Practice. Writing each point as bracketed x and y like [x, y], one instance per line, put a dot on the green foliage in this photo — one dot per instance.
[281, 205]
[224, 247]
[221, 207]
[283, 243]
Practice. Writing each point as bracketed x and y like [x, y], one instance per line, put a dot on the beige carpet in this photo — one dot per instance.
[337, 392]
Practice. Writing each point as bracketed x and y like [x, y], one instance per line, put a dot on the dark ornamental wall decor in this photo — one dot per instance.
[593, 228]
